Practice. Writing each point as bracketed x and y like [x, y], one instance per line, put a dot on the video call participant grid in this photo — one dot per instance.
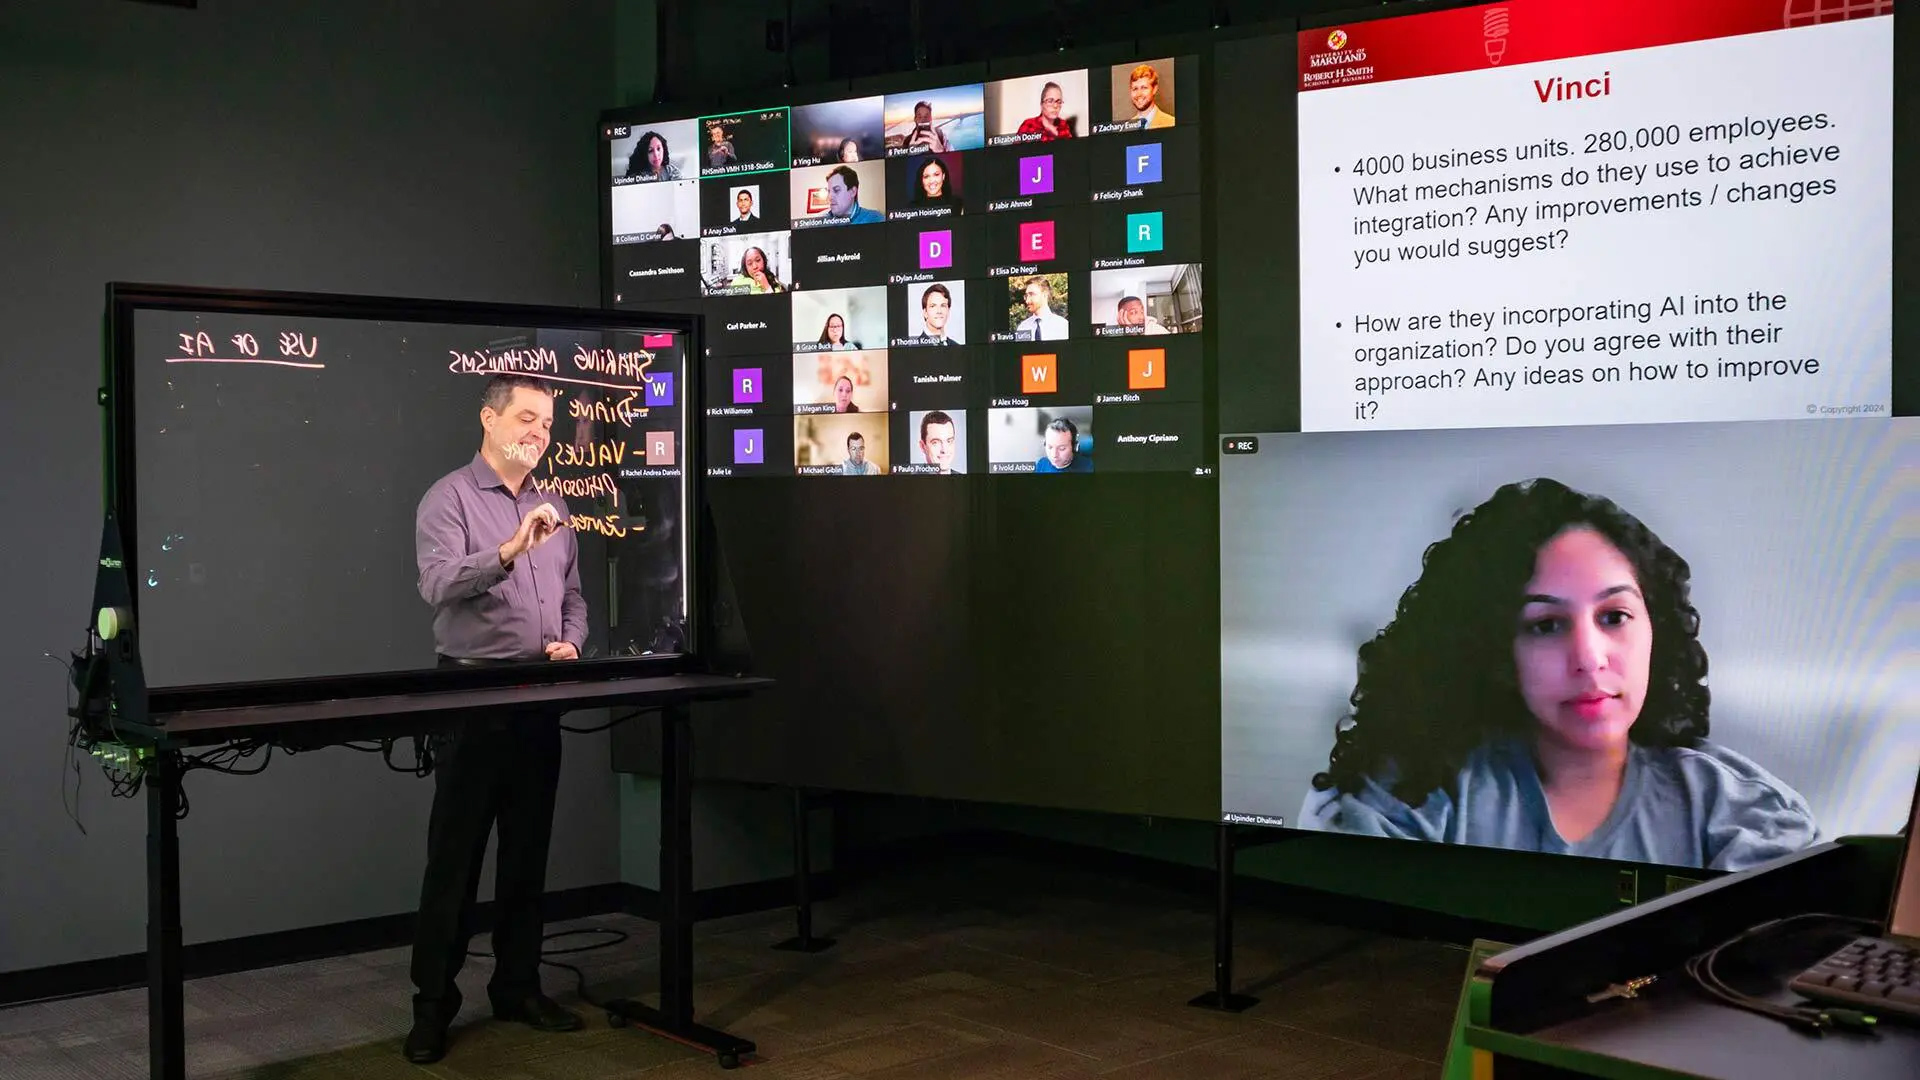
[923, 290]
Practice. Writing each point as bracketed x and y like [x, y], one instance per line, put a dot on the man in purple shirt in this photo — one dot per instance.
[500, 568]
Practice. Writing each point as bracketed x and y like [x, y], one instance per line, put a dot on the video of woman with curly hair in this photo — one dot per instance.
[1556, 634]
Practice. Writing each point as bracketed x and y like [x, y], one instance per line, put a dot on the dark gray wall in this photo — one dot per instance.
[435, 149]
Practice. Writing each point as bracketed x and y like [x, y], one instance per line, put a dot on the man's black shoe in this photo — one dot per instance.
[427, 1042]
[541, 1013]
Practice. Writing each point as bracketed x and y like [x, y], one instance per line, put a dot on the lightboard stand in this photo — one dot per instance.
[803, 939]
[112, 711]
[674, 1018]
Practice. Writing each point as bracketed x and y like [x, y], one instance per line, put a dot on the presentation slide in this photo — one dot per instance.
[953, 240]
[1680, 644]
[1620, 211]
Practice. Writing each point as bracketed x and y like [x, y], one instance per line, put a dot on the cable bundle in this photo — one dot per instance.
[1813, 1018]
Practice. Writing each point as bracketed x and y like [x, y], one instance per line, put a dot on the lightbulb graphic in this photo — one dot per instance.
[1494, 23]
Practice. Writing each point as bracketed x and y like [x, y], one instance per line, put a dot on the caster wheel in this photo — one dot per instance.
[729, 1061]
[616, 1020]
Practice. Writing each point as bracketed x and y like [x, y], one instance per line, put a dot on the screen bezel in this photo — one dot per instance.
[118, 397]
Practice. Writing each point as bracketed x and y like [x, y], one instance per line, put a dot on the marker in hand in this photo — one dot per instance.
[535, 529]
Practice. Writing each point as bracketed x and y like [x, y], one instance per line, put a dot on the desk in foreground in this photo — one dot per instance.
[1530, 1017]
[338, 720]
[1674, 1030]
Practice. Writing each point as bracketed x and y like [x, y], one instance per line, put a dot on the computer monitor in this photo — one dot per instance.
[1903, 917]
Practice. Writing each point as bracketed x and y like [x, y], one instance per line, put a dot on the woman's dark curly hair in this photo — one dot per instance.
[1438, 681]
[637, 163]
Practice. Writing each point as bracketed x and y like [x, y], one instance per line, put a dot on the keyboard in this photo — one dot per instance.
[1873, 975]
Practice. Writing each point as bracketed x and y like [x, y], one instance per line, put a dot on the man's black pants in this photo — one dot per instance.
[503, 768]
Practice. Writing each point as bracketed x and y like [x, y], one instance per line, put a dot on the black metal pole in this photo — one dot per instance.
[1222, 997]
[803, 939]
[1223, 913]
[166, 1009]
[674, 1017]
[676, 867]
[802, 868]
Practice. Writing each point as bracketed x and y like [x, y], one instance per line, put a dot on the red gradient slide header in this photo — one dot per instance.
[1529, 31]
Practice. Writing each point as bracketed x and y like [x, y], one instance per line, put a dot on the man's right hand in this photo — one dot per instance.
[535, 529]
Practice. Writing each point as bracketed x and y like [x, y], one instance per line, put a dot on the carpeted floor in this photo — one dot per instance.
[979, 967]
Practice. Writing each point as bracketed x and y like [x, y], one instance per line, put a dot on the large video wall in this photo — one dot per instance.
[1484, 285]
[992, 277]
